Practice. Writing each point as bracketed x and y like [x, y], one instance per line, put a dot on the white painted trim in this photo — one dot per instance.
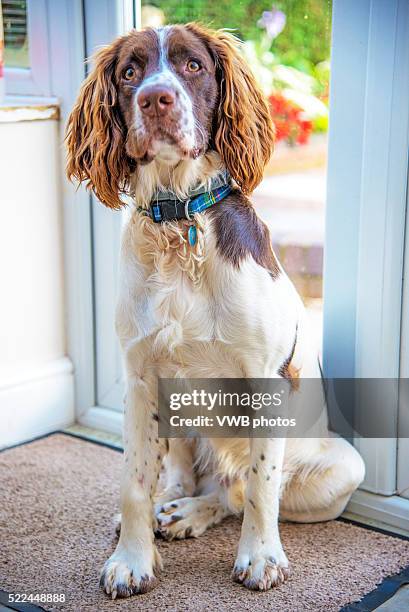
[56, 367]
[23, 100]
[28, 113]
[403, 419]
[104, 20]
[106, 225]
[67, 45]
[383, 193]
[76, 28]
[393, 511]
[34, 80]
[125, 15]
[403, 463]
[36, 402]
[350, 25]
[382, 221]
[105, 419]
[138, 14]
[365, 216]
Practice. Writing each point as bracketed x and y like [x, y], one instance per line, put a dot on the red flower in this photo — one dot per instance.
[288, 122]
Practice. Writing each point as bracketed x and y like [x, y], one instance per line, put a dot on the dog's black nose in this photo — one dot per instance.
[156, 100]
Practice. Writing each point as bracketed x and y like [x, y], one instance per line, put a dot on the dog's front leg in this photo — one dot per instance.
[261, 562]
[130, 569]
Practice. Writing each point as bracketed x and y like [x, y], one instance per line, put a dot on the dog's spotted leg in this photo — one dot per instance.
[261, 562]
[131, 567]
[179, 480]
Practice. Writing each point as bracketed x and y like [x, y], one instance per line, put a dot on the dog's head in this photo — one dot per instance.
[168, 94]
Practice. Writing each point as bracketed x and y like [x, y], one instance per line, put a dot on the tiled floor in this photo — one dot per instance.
[95, 434]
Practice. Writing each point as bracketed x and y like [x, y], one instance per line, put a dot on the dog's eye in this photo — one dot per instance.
[129, 74]
[193, 66]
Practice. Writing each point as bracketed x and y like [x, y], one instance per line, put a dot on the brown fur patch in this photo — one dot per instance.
[244, 130]
[96, 133]
[240, 233]
[288, 370]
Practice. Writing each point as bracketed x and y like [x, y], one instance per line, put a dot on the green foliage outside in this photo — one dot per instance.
[304, 42]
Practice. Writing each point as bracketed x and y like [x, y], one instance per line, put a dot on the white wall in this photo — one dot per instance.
[36, 382]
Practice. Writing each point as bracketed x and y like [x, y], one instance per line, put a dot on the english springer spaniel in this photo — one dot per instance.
[173, 120]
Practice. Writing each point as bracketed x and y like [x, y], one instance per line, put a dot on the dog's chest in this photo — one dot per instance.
[163, 294]
[185, 306]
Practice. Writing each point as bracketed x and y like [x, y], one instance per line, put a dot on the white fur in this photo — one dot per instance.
[165, 76]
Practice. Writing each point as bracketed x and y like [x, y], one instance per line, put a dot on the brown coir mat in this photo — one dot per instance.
[58, 497]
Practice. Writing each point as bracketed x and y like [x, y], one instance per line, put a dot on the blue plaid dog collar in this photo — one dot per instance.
[166, 207]
[173, 210]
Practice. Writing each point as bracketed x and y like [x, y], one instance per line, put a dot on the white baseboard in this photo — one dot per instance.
[392, 511]
[105, 419]
[37, 402]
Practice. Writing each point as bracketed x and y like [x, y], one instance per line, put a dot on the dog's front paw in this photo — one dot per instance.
[261, 570]
[123, 577]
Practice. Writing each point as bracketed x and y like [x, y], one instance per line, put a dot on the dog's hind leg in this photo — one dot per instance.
[321, 484]
[192, 516]
[179, 477]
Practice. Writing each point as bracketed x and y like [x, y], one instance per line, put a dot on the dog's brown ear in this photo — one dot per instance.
[95, 135]
[245, 132]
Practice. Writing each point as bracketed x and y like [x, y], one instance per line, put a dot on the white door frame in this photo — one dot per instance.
[366, 211]
[86, 222]
[403, 417]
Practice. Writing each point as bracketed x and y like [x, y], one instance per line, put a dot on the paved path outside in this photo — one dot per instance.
[293, 206]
